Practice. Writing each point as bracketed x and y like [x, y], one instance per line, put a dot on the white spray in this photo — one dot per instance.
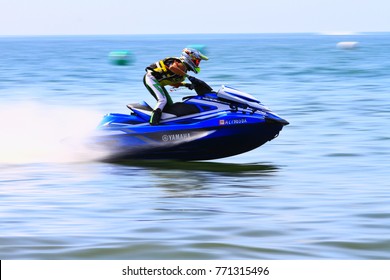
[34, 132]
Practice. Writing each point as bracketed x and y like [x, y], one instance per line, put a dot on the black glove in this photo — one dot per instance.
[189, 86]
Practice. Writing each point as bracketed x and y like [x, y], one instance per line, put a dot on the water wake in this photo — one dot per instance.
[34, 132]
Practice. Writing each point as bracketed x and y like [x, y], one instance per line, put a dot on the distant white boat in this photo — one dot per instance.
[347, 45]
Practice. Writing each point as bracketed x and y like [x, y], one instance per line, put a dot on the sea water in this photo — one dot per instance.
[321, 190]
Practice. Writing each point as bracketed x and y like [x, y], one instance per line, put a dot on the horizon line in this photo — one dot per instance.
[336, 33]
[152, 34]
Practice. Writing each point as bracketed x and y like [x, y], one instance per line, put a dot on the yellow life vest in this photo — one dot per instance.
[160, 70]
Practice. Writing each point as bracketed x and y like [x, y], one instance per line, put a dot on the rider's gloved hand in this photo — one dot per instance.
[189, 86]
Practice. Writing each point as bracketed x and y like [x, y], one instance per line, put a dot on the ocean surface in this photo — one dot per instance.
[321, 190]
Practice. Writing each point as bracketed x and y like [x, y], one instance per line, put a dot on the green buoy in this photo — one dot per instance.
[120, 57]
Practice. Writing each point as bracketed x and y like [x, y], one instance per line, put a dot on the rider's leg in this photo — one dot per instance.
[159, 93]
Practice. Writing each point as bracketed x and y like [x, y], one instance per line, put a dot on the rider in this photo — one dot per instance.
[170, 71]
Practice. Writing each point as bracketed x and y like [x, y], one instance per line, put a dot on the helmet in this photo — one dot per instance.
[192, 58]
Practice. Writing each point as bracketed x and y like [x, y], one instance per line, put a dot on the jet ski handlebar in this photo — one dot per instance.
[199, 86]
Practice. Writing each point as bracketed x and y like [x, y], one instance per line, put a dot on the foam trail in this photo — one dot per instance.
[33, 132]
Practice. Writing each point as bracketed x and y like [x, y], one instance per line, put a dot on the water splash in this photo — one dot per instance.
[35, 132]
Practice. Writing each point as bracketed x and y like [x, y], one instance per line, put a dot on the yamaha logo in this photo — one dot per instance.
[175, 137]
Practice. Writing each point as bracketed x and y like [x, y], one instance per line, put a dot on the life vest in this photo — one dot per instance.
[160, 70]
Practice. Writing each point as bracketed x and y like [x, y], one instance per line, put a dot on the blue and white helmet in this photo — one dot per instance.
[192, 58]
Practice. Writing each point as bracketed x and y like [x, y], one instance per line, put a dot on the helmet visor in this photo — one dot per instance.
[196, 62]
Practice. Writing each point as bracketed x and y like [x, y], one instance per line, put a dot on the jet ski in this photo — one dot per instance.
[208, 125]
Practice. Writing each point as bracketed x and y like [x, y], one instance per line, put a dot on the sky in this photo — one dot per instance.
[112, 17]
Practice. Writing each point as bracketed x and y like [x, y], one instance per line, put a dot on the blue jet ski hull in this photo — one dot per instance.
[200, 141]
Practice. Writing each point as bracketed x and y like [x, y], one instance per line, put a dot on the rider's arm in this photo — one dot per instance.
[177, 85]
[183, 84]
[178, 68]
